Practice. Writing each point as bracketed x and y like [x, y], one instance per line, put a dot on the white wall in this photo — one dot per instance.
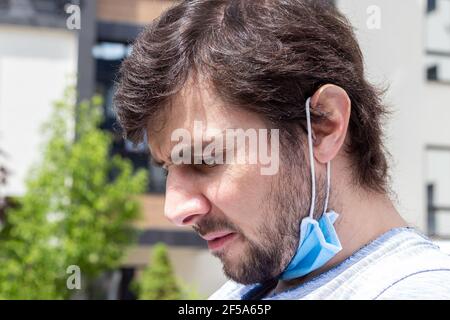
[395, 56]
[437, 114]
[437, 165]
[36, 64]
[198, 268]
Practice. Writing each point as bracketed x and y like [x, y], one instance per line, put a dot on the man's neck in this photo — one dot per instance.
[362, 219]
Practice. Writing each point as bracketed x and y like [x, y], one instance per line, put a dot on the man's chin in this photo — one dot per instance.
[239, 267]
[233, 259]
[245, 275]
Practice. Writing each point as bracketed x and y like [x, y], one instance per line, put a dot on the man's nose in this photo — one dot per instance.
[184, 204]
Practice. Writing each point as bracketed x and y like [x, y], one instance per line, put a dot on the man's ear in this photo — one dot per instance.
[330, 133]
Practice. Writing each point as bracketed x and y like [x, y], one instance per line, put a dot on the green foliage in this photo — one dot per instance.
[158, 281]
[76, 211]
[3, 180]
[189, 292]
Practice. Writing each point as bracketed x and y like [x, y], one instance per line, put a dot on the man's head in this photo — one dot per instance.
[252, 65]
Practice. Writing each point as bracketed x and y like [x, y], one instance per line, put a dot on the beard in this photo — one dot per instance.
[283, 208]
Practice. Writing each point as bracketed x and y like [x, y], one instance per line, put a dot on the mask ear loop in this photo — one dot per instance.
[328, 186]
[311, 160]
[313, 170]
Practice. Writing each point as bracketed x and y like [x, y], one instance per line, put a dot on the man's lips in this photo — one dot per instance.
[217, 240]
[214, 235]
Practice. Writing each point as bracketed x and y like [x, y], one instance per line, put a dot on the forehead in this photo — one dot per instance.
[197, 102]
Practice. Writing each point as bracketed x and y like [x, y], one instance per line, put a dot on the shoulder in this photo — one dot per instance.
[426, 284]
[401, 264]
[422, 271]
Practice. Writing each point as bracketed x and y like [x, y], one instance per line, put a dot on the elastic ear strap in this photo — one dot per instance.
[328, 186]
[311, 159]
[313, 170]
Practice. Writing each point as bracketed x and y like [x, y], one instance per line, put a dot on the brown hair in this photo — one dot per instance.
[265, 56]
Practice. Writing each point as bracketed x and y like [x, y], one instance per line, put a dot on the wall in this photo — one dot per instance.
[395, 56]
[36, 64]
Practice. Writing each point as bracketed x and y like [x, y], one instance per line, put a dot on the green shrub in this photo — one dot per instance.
[77, 209]
[157, 281]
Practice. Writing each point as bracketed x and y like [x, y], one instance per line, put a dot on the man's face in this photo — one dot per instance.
[251, 220]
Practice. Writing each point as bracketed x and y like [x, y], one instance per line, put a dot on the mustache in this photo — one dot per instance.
[210, 224]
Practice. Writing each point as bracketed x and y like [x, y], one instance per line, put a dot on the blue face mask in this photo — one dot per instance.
[318, 241]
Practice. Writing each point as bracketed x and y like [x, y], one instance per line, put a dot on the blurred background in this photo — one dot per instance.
[49, 65]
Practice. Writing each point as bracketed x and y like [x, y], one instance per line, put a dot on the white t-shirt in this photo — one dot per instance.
[400, 264]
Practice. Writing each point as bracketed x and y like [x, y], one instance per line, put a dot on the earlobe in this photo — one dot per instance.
[330, 133]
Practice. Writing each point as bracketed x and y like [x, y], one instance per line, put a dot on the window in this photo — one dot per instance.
[108, 56]
[438, 40]
[53, 7]
[438, 190]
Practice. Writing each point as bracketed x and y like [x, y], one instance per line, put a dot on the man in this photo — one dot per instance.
[322, 226]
